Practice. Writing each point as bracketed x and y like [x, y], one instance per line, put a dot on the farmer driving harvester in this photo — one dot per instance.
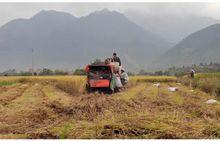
[106, 75]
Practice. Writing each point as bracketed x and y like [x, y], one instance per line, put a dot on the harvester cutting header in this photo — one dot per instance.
[106, 76]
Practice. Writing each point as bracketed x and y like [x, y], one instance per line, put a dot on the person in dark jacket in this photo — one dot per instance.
[116, 59]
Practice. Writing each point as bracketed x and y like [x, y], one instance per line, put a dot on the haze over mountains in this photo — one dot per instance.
[62, 41]
[174, 27]
[202, 46]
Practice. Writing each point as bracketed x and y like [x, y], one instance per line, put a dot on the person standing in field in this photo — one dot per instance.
[117, 62]
[124, 77]
[192, 73]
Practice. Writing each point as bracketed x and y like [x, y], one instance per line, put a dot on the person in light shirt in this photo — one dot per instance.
[124, 77]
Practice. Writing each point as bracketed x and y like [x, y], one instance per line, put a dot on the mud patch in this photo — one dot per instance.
[116, 131]
[43, 135]
[111, 131]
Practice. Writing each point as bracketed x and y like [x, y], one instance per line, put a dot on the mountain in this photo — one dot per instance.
[199, 47]
[171, 27]
[61, 40]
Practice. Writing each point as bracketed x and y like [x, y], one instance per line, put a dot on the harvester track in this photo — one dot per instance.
[43, 110]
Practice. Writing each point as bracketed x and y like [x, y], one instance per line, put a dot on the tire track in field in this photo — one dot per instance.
[89, 106]
[30, 115]
[50, 94]
[11, 93]
[27, 113]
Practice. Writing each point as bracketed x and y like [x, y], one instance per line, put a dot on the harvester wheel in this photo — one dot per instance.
[88, 88]
[110, 91]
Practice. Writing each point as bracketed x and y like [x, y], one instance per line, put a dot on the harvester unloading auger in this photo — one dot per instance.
[106, 77]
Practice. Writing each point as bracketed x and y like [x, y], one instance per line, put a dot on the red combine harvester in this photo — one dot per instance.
[100, 77]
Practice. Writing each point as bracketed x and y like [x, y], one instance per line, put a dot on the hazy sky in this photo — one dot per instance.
[11, 11]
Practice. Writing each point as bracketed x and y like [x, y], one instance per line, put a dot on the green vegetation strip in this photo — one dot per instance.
[7, 83]
[208, 75]
[207, 82]
[154, 79]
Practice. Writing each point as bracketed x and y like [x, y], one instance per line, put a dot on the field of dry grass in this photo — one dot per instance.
[207, 82]
[59, 107]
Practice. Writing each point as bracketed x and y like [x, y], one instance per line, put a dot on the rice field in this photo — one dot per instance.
[207, 82]
[58, 107]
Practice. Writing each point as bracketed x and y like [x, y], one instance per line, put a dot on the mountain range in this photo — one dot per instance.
[60, 40]
[202, 46]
